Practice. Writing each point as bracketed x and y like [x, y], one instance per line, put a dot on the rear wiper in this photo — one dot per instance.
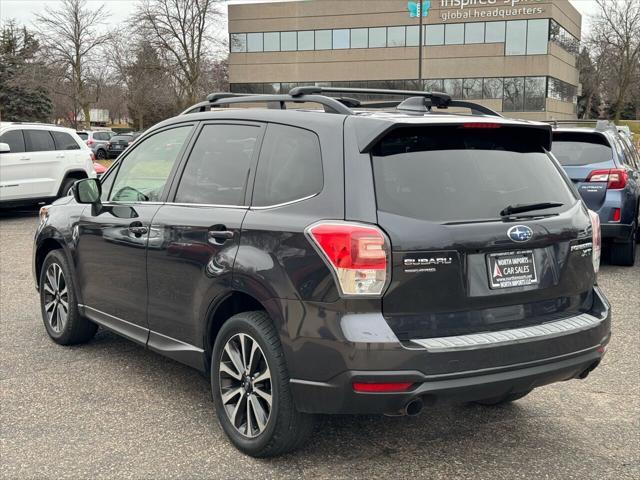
[527, 207]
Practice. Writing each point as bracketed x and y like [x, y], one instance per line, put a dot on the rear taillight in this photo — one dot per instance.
[89, 142]
[596, 240]
[616, 178]
[357, 254]
[616, 215]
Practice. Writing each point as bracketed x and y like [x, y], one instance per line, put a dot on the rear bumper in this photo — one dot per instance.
[458, 374]
[616, 231]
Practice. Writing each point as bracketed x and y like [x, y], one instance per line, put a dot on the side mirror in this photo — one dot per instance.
[87, 190]
[5, 148]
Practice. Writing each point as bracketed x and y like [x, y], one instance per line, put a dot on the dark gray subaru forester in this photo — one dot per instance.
[338, 259]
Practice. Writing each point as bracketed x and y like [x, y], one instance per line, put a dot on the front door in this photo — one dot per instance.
[112, 239]
[191, 265]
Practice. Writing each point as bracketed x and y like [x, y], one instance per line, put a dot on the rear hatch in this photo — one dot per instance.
[580, 154]
[120, 142]
[460, 267]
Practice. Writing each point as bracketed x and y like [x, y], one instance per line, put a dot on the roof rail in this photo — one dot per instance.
[599, 124]
[418, 101]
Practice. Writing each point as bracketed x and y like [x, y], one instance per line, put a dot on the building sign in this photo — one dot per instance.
[478, 9]
[416, 8]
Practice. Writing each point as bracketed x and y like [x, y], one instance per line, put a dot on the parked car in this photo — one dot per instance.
[97, 141]
[99, 169]
[40, 162]
[119, 143]
[335, 263]
[605, 168]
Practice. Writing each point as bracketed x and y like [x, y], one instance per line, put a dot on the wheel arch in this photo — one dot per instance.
[76, 174]
[221, 310]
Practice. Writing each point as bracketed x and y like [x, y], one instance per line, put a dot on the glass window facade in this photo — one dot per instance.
[359, 38]
[396, 36]
[377, 37]
[494, 32]
[323, 39]
[516, 38]
[434, 35]
[255, 42]
[306, 40]
[518, 94]
[474, 32]
[521, 37]
[454, 34]
[289, 41]
[272, 41]
[341, 39]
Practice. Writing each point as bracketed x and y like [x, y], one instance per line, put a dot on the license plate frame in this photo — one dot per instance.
[511, 269]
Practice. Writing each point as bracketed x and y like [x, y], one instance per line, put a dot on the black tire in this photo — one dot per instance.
[624, 254]
[101, 154]
[496, 401]
[285, 428]
[66, 185]
[74, 328]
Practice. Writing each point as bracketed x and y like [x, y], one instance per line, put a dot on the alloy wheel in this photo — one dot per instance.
[56, 298]
[245, 385]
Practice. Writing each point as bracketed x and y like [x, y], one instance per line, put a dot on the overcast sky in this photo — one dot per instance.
[23, 11]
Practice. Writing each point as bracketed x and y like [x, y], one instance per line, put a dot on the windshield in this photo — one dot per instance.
[83, 135]
[448, 174]
[580, 148]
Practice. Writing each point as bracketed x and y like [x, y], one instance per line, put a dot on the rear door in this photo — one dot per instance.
[458, 266]
[196, 236]
[74, 156]
[580, 154]
[42, 172]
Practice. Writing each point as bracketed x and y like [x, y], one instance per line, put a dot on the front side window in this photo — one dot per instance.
[39, 141]
[290, 166]
[144, 172]
[218, 166]
[14, 139]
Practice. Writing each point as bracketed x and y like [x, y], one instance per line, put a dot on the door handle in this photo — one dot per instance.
[25, 159]
[138, 229]
[218, 234]
[60, 155]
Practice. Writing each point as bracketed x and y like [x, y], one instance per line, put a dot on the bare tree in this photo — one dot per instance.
[182, 31]
[70, 35]
[616, 28]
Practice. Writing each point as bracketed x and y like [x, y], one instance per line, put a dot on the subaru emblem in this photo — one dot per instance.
[520, 233]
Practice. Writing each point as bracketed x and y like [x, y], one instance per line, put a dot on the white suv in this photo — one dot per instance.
[40, 162]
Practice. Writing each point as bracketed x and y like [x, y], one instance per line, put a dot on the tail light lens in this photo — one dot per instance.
[481, 125]
[89, 142]
[616, 178]
[616, 215]
[357, 254]
[596, 240]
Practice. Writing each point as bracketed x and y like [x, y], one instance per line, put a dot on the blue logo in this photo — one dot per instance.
[415, 8]
[520, 233]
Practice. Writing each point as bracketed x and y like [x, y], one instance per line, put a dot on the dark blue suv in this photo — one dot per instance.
[605, 168]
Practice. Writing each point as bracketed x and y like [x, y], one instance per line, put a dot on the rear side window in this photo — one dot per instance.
[101, 136]
[290, 166]
[15, 139]
[218, 167]
[453, 174]
[64, 141]
[39, 141]
[580, 148]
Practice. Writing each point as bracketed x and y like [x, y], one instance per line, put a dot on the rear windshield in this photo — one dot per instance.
[455, 174]
[83, 135]
[123, 138]
[580, 148]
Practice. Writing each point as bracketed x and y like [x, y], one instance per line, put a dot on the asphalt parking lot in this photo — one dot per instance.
[113, 409]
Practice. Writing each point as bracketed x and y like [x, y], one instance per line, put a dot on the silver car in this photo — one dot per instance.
[97, 141]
